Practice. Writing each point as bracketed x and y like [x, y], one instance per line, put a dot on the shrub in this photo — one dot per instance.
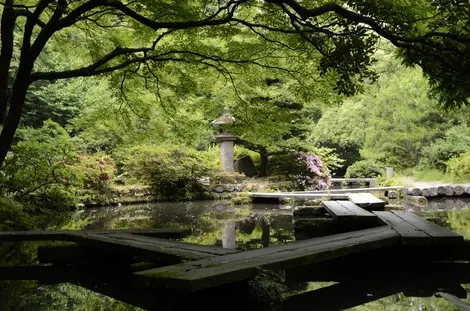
[97, 171]
[455, 142]
[459, 167]
[308, 170]
[286, 163]
[312, 172]
[40, 171]
[240, 152]
[172, 171]
[365, 169]
[12, 216]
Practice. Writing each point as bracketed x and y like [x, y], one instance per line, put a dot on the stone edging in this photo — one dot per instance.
[443, 190]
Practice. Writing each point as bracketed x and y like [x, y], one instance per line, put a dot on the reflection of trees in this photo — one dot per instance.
[459, 221]
[263, 230]
[16, 254]
[399, 302]
[66, 297]
[247, 226]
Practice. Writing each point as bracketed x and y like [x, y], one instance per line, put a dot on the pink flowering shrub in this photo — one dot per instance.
[312, 173]
[98, 171]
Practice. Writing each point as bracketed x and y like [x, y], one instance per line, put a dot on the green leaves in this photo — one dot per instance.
[40, 171]
[171, 170]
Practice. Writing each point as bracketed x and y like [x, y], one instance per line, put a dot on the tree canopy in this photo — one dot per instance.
[164, 43]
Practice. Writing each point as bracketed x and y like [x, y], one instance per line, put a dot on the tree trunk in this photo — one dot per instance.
[12, 122]
[20, 87]
[264, 161]
[7, 28]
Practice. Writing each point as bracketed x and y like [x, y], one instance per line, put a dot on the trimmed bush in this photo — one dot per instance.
[172, 171]
[365, 169]
[459, 167]
[455, 142]
[41, 171]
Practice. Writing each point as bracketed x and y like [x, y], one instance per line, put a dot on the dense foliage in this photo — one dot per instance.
[172, 171]
[102, 96]
[365, 169]
[459, 167]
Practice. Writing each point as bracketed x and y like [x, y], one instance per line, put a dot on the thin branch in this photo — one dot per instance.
[75, 15]
[305, 13]
[28, 14]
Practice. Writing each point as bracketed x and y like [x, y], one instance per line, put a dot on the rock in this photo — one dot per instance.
[219, 188]
[239, 188]
[434, 191]
[449, 191]
[459, 190]
[246, 166]
[441, 190]
[230, 188]
[416, 192]
[309, 211]
[467, 190]
[426, 192]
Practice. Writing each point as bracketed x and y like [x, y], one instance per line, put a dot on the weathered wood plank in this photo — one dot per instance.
[63, 235]
[439, 234]
[353, 190]
[197, 275]
[367, 201]
[297, 195]
[410, 235]
[356, 209]
[336, 210]
[347, 210]
[148, 247]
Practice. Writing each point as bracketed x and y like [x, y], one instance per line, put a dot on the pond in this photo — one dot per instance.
[213, 223]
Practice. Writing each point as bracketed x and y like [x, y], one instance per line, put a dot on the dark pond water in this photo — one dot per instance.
[213, 223]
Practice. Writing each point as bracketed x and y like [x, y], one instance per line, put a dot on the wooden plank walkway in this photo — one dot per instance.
[367, 201]
[346, 210]
[364, 200]
[198, 275]
[416, 231]
[148, 246]
[127, 242]
[352, 190]
[64, 235]
[410, 235]
[439, 234]
[297, 195]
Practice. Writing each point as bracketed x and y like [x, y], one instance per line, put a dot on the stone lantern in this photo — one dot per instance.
[225, 139]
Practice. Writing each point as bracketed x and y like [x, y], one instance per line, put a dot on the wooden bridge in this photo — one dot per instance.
[399, 241]
[361, 197]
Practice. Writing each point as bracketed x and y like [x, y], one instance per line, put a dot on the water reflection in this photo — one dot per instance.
[441, 204]
[214, 223]
[386, 286]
